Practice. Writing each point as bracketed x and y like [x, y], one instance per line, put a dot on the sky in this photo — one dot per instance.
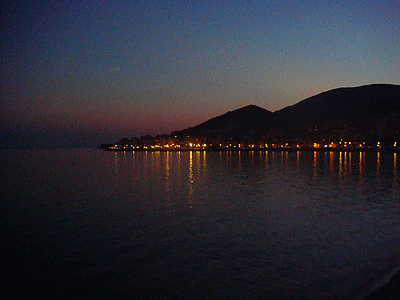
[81, 73]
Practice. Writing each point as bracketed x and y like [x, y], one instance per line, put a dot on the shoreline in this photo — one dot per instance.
[259, 150]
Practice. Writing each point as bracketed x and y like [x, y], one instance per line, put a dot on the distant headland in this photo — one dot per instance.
[365, 118]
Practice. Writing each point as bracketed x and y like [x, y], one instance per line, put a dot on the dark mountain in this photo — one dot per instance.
[358, 113]
[246, 122]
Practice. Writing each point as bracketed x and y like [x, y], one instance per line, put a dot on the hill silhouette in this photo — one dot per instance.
[246, 122]
[363, 113]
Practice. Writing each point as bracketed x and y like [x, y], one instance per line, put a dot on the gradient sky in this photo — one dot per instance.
[81, 73]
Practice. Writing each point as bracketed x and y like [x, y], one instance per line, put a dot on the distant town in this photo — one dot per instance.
[167, 143]
[365, 118]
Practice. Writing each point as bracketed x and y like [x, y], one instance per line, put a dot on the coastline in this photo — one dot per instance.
[355, 150]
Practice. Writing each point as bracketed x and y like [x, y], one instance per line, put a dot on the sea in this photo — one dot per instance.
[198, 224]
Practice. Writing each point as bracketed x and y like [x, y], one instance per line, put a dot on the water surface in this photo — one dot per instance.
[283, 225]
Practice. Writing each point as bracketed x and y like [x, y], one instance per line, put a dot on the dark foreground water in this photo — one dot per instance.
[198, 225]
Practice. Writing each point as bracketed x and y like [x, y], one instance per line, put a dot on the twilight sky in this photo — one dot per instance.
[81, 73]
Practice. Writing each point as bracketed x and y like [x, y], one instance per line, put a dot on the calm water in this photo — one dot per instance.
[268, 225]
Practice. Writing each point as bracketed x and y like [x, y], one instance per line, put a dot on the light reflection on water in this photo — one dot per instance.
[215, 224]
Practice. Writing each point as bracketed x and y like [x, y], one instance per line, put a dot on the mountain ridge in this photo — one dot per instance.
[354, 108]
[365, 114]
[361, 111]
[358, 109]
[246, 120]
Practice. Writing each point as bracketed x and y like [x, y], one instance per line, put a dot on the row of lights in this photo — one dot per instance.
[192, 145]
